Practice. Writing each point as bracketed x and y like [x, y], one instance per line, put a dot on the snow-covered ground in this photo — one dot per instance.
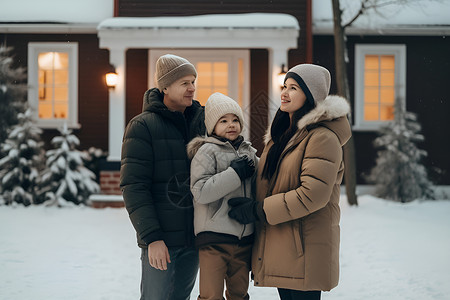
[388, 251]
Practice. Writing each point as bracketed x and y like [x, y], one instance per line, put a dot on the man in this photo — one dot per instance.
[154, 178]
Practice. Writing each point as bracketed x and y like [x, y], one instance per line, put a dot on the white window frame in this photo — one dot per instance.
[361, 50]
[33, 52]
[230, 56]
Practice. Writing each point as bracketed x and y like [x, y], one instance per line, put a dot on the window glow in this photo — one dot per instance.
[212, 77]
[53, 85]
[379, 87]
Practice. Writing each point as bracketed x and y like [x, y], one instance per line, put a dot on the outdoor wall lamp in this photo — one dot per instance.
[111, 77]
[281, 76]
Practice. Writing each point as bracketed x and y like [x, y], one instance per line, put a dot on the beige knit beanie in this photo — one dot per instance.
[313, 79]
[217, 106]
[170, 68]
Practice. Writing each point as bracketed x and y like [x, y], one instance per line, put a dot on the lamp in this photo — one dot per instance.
[111, 77]
[281, 76]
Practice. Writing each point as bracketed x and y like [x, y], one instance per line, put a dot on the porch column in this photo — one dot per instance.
[116, 105]
[277, 57]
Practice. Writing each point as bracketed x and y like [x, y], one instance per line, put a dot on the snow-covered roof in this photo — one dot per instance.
[247, 21]
[66, 11]
[415, 17]
[251, 30]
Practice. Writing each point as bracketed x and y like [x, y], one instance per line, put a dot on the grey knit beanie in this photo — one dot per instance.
[313, 79]
[170, 68]
[217, 106]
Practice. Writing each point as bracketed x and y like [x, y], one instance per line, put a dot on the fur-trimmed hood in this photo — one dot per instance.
[195, 144]
[199, 141]
[330, 113]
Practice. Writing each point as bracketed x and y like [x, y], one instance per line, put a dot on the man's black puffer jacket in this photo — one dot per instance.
[154, 173]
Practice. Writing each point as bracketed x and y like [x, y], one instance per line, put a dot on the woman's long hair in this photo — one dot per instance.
[282, 130]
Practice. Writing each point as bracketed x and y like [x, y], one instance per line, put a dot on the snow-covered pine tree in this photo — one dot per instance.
[23, 160]
[92, 159]
[399, 174]
[65, 179]
[13, 91]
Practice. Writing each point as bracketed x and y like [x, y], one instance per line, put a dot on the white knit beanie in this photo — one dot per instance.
[170, 68]
[217, 106]
[313, 79]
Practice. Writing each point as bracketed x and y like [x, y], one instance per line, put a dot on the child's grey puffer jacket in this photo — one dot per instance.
[214, 182]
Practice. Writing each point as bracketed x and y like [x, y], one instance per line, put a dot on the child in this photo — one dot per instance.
[223, 167]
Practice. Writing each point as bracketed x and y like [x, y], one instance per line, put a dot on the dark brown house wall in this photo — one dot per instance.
[136, 81]
[428, 65]
[92, 91]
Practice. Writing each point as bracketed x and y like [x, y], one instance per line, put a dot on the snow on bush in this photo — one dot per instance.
[66, 180]
[399, 174]
[23, 161]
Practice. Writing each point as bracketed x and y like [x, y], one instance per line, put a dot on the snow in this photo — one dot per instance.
[388, 251]
[251, 20]
[75, 11]
[422, 12]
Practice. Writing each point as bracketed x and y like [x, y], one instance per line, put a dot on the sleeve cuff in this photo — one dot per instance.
[152, 237]
[260, 212]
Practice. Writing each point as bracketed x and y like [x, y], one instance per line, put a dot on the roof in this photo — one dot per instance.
[65, 11]
[227, 21]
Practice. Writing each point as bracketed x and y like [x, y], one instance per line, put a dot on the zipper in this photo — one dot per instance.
[283, 154]
[244, 186]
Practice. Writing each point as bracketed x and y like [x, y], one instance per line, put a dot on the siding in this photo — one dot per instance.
[136, 81]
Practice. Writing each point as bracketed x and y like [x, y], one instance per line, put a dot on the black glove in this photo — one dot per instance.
[244, 167]
[245, 210]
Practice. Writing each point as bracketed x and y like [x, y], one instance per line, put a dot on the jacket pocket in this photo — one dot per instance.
[297, 231]
[283, 251]
[214, 209]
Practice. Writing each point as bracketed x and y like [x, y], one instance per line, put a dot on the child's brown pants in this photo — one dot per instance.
[229, 262]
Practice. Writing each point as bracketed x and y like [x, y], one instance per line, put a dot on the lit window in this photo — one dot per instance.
[223, 71]
[212, 77]
[53, 83]
[379, 80]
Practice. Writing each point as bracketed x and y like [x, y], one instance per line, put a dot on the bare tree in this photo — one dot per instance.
[340, 54]
[341, 59]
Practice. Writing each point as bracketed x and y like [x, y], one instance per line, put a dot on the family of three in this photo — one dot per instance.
[199, 197]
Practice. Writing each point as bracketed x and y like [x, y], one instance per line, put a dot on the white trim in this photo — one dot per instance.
[49, 28]
[33, 51]
[361, 50]
[230, 56]
[420, 30]
[198, 38]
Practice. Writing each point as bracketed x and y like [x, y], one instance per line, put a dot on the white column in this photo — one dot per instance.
[277, 57]
[116, 105]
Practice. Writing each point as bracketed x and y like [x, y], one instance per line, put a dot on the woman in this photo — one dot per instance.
[297, 242]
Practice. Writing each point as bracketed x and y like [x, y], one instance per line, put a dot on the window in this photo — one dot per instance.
[224, 71]
[380, 72]
[53, 81]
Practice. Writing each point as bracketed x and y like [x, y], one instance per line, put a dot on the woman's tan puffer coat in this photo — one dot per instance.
[299, 247]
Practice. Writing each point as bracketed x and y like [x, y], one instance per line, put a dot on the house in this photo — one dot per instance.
[239, 48]
[404, 51]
